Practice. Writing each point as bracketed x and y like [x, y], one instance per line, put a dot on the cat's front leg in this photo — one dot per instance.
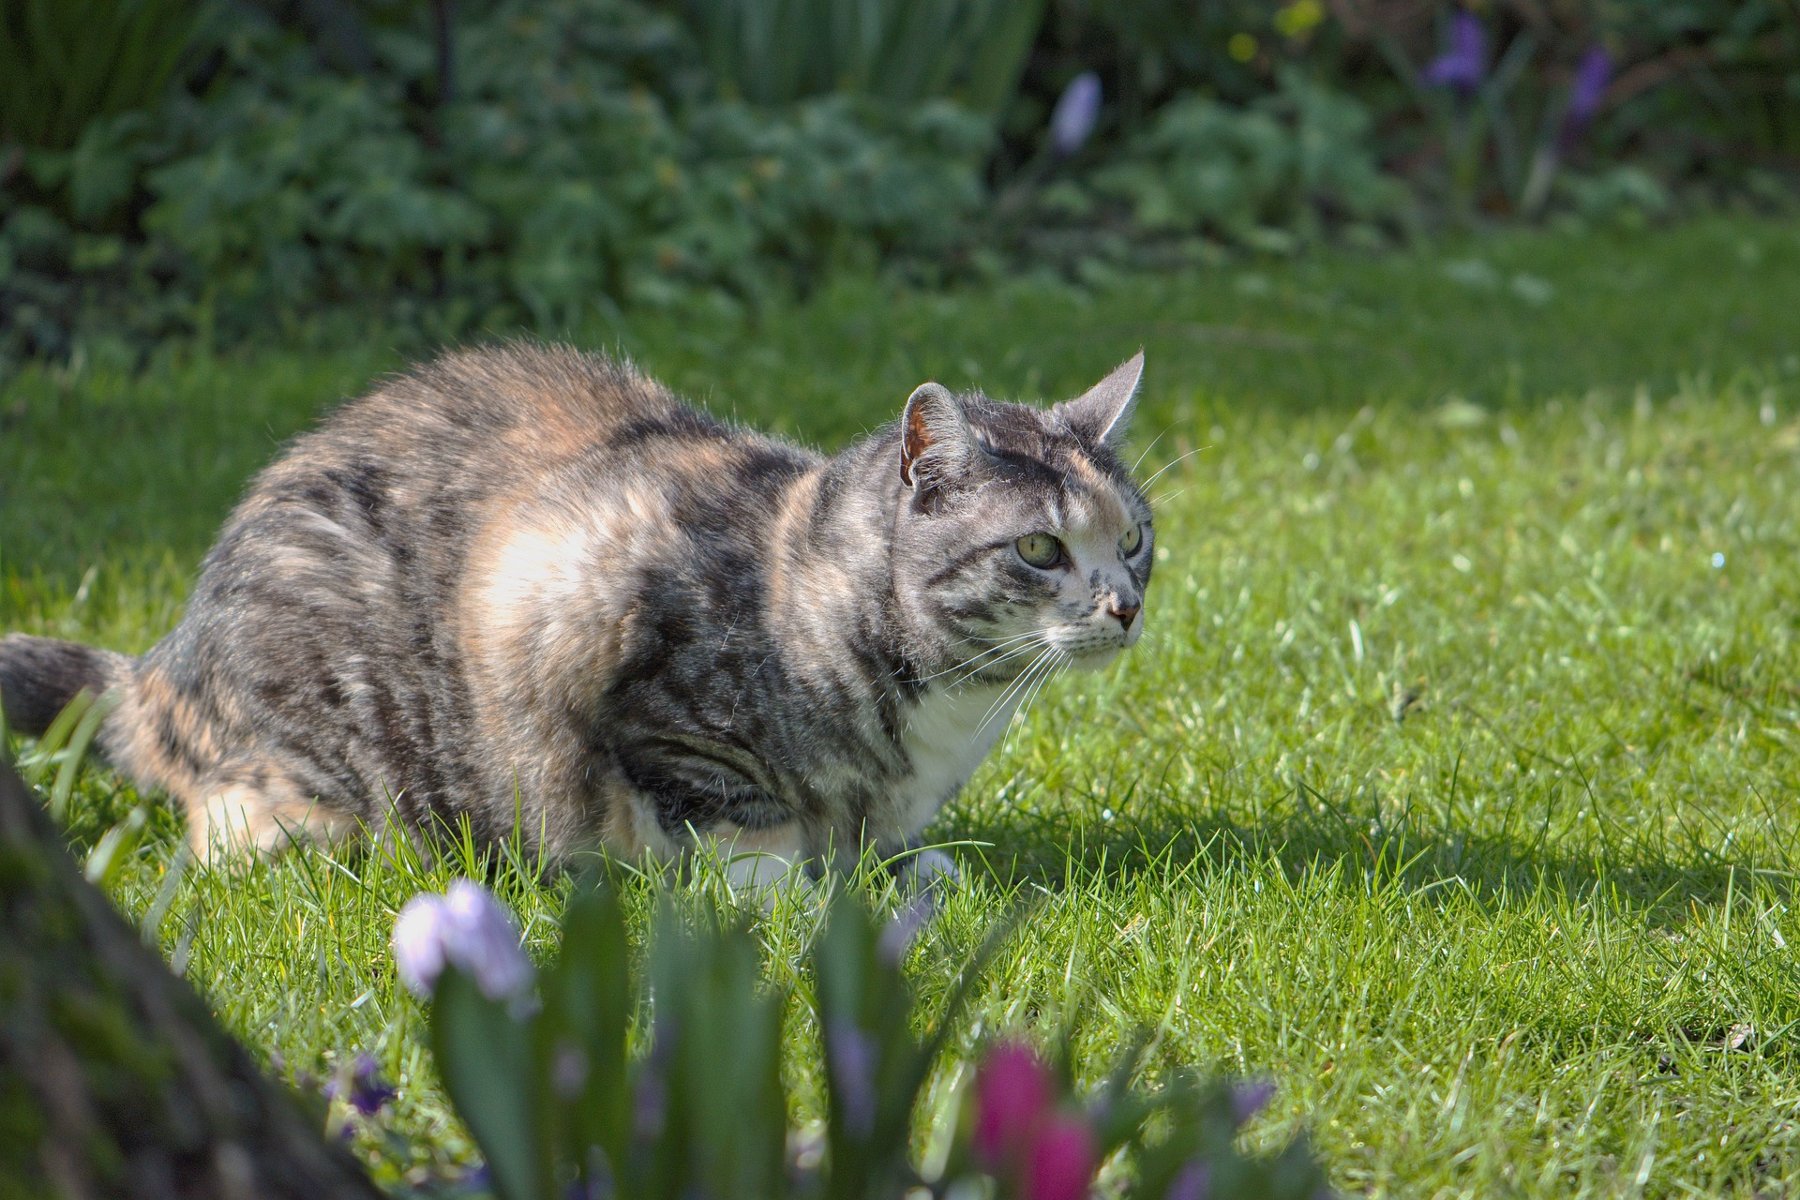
[923, 870]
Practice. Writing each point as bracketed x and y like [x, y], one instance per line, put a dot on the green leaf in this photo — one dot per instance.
[588, 998]
[75, 752]
[484, 1055]
[115, 847]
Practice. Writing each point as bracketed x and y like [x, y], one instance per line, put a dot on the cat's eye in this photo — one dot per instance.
[1134, 538]
[1039, 549]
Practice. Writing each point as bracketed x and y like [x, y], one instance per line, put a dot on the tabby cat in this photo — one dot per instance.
[530, 587]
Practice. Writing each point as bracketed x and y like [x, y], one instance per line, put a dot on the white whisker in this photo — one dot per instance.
[1059, 659]
[997, 648]
[1012, 689]
[988, 666]
[1150, 447]
[1145, 486]
[1160, 501]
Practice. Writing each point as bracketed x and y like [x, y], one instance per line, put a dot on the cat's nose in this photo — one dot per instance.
[1127, 613]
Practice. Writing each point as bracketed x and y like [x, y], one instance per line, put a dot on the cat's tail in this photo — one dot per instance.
[39, 676]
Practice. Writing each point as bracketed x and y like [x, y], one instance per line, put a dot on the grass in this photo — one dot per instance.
[1452, 785]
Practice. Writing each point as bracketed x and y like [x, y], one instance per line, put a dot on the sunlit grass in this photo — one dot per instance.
[1453, 785]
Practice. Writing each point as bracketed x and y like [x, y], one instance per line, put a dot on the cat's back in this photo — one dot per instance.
[509, 409]
[386, 584]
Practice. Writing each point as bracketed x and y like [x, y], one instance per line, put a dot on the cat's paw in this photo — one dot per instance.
[928, 872]
[764, 874]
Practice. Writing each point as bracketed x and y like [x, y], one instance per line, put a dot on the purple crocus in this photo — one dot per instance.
[1588, 88]
[1077, 111]
[418, 943]
[851, 1053]
[901, 932]
[650, 1098]
[568, 1070]
[1192, 1182]
[1463, 65]
[369, 1092]
[1248, 1099]
[468, 929]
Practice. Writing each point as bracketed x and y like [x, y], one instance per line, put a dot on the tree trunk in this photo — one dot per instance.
[115, 1081]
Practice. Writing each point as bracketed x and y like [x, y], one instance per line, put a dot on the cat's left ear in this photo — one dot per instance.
[936, 443]
[1100, 415]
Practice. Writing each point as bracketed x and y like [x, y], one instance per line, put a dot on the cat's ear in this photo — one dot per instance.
[936, 443]
[1100, 415]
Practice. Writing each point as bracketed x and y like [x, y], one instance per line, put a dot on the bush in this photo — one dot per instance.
[547, 163]
[900, 51]
[1285, 165]
[578, 165]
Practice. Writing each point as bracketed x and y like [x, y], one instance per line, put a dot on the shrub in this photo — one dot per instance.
[579, 164]
[902, 51]
[65, 64]
[1266, 175]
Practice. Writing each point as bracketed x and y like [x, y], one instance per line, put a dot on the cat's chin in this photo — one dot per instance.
[1095, 660]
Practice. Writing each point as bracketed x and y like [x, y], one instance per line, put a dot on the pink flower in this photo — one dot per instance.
[1012, 1097]
[1060, 1160]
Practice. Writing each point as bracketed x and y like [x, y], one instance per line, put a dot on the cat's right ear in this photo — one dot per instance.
[936, 442]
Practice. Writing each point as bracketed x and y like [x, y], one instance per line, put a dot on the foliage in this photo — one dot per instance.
[558, 1105]
[574, 169]
[903, 51]
[1715, 87]
[567, 162]
[1262, 175]
[1157, 51]
[65, 64]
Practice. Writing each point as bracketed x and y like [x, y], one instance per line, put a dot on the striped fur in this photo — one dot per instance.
[531, 587]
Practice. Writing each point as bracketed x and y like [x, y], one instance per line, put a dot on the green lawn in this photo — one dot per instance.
[1453, 784]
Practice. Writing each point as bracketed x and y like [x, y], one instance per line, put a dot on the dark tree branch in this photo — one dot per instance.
[115, 1080]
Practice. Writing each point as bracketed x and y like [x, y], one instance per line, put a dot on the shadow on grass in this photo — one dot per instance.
[1660, 884]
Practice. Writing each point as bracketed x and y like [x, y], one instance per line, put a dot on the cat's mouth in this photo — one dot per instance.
[1089, 648]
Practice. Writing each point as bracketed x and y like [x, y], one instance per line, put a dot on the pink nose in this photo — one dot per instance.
[1127, 613]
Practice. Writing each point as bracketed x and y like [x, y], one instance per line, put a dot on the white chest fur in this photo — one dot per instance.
[950, 732]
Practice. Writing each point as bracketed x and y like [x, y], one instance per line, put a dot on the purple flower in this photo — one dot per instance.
[1463, 66]
[900, 934]
[851, 1054]
[650, 1099]
[466, 928]
[1192, 1182]
[1012, 1096]
[1076, 112]
[1248, 1099]
[568, 1070]
[1061, 1159]
[419, 943]
[369, 1092]
[1588, 88]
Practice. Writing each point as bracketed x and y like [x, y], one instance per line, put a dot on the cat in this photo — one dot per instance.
[530, 587]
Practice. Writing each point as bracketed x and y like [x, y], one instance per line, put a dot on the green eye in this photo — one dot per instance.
[1134, 537]
[1039, 549]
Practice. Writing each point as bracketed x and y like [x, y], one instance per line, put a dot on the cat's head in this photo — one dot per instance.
[1021, 530]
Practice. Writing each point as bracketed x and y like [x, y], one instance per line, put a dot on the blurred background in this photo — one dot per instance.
[300, 169]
